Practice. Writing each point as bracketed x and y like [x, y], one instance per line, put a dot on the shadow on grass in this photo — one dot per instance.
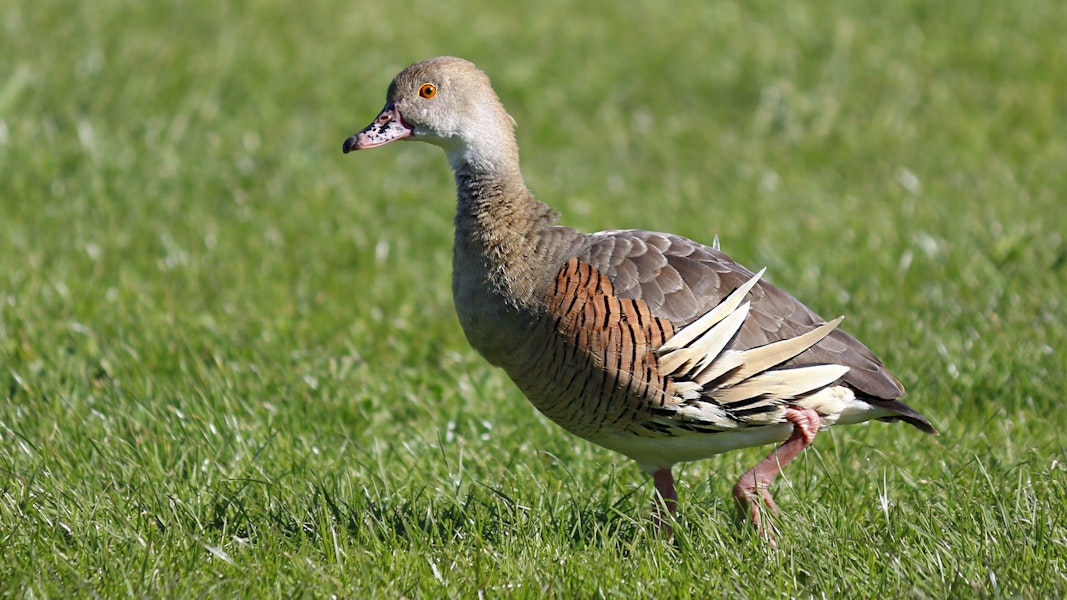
[482, 513]
[250, 509]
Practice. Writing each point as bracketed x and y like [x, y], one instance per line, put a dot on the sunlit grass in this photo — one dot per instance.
[230, 364]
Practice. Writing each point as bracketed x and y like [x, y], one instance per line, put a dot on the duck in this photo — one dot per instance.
[652, 345]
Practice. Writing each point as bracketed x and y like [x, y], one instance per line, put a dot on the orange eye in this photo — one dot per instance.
[428, 90]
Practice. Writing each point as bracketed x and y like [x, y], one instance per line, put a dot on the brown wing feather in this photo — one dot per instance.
[679, 280]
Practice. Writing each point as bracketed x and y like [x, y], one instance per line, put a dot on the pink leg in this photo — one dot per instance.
[753, 485]
[668, 498]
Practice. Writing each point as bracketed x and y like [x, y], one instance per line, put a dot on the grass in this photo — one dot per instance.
[228, 357]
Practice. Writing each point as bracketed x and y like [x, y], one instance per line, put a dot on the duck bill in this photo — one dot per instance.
[388, 127]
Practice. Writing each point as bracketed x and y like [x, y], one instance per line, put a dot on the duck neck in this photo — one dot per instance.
[499, 225]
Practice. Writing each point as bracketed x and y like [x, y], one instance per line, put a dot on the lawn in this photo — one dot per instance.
[230, 365]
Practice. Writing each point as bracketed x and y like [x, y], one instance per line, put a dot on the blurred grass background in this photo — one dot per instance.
[228, 355]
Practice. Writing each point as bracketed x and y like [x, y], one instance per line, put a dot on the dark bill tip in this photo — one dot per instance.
[349, 145]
